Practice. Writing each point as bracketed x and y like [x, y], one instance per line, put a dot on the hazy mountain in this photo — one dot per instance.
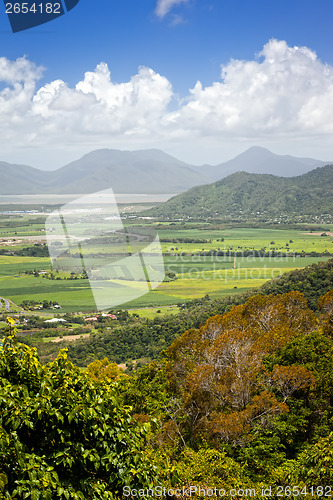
[21, 179]
[259, 160]
[147, 171]
[244, 193]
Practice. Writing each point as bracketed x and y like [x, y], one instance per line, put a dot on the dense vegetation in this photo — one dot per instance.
[249, 194]
[242, 402]
[313, 281]
[61, 435]
[246, 398]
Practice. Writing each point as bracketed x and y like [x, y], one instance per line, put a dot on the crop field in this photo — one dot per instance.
[12, 265]
[193, 279]
[190, 273]
[218, 280]
[71, 295]
[151, 312]
[243, 239]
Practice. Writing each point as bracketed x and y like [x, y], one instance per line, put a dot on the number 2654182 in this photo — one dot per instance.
[35, 8]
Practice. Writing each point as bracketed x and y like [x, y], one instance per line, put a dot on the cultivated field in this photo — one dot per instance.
[198, 261]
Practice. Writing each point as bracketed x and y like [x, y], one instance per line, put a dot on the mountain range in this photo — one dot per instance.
[244, 193]
[257, 160]
[145, 171]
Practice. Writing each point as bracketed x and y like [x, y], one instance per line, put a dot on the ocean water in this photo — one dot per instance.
[56, 199]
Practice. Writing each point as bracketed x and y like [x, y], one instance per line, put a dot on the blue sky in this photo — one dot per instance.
[276, 89]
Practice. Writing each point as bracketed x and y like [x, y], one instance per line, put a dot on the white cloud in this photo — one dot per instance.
[284, 94]
[286, 90]
[19, 78]
[164, 6]
[97, 106]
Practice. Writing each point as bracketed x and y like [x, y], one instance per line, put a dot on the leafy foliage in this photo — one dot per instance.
[316, 463]
[243, 400]
[219, 373]
[104, 370]
[62, 435]
[251, 388]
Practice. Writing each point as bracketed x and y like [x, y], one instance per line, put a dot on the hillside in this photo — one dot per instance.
[243, 403]
[246, 194]
[21, 179]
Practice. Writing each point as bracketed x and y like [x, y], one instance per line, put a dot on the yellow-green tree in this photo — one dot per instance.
[104, 370]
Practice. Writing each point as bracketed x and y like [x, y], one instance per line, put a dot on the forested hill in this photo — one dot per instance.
[242, 404]
[246, 194]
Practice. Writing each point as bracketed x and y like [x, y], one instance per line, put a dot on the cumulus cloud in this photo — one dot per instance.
[98, 107]
[164, 6]
[283, 92]
[19, 83]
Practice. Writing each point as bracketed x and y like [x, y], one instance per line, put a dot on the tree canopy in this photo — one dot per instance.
[61, 434]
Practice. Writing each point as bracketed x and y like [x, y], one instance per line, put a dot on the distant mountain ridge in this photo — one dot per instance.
[257, 160]
[145, 171]
[247, 194]
[21, 179]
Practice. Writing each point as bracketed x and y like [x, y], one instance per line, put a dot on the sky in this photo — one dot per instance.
[202, 80]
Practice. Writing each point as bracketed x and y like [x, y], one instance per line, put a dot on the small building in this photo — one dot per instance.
[112, 316]
[55, 320]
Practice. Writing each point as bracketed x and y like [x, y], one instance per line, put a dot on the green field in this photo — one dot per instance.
[12, 265]
[152, 312]
[219, 280]
[190, 275]
[71, 295]
[243, 239]
[194, 279]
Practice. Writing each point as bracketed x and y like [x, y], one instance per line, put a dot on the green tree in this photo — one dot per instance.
[63, 435]
[104, 370]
